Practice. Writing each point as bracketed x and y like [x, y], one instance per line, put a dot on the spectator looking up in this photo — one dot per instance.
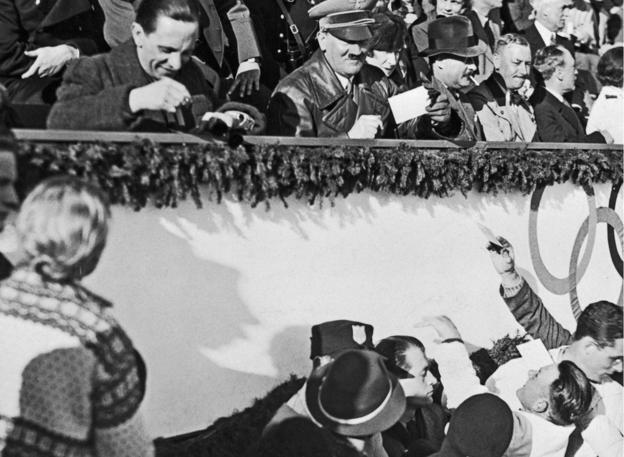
[546, 407]
[596, 346]
[147, 83]
[501, 102]
[606, 113]
[421, 427]
[557, 121]
[75, 382]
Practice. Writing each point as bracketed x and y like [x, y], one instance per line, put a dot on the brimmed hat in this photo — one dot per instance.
[481, 426]
[355, 395]
[333, 337]
[348, 20]
[453, 35]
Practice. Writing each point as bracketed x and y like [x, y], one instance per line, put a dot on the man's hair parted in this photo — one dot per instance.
[570, 395]
[602, 321]
[149, 11]
[510, 38]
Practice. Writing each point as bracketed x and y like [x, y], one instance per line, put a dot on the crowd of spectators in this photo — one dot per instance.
[73, 384]
[493, 70]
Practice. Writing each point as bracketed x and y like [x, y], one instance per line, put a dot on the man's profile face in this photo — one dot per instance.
[600, 362]
[513, 62]
[553, 14]
[567, 72]
[455, 72]
[536, 389]
[346, 58]
[164, 51]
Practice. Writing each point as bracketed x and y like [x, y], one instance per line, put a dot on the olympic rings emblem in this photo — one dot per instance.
[577, 270]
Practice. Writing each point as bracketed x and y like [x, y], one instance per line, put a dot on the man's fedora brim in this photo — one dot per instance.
[387, 417]
[472, 51]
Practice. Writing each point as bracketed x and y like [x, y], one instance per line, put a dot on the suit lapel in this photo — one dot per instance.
[567, 113]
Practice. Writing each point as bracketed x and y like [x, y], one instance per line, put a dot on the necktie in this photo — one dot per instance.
[515, 98]
[553, 39]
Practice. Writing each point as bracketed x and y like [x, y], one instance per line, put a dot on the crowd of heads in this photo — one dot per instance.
[459, 44]
[358, 391]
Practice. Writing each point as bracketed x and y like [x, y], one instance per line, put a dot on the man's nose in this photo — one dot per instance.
[430, 379]
[532, 373]
[175, 61]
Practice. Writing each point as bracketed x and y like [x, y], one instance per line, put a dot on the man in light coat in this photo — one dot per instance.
[501, 101]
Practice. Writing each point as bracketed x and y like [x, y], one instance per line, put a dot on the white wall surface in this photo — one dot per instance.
[219, 300]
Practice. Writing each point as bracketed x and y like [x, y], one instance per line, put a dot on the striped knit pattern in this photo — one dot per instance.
[75, 385]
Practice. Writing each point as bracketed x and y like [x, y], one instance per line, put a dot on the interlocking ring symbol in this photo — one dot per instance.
[587, 230]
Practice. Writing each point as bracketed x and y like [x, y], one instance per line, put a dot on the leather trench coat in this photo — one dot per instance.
[312, 102]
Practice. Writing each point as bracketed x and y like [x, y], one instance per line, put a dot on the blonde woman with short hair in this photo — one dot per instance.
[72, 382]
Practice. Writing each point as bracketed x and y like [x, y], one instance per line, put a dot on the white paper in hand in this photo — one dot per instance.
[409, 105]
[534, 354]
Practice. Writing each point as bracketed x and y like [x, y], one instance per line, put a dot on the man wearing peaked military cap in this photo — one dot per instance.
[335, 93]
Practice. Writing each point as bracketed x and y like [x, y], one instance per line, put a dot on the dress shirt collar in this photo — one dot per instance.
[345, 82]
[546, 34]
[557, 96]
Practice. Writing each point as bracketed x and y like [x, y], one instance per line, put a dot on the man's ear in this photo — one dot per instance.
[321, 37]
[138, 34]
[588, 345]
[540, 406]
[497, 61]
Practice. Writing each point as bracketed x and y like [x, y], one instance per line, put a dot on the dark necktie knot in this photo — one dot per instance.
[515, 98]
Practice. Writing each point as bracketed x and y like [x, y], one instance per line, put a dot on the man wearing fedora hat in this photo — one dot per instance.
[328, 341]
[335, 93]
[356, 397]
[452, 52]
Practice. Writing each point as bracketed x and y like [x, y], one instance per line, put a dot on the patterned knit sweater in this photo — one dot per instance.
[70, 379]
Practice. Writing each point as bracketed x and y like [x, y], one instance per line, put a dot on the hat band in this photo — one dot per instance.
[324, 25]
[466, 42]
[357, 420]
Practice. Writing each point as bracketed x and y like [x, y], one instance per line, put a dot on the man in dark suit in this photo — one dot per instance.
[37, 40]
[557, 121]
[549, 20]
[485, 18]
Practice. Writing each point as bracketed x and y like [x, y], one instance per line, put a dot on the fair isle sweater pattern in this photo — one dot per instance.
[117, 390]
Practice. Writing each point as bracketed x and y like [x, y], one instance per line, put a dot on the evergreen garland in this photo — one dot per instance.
[137, 173]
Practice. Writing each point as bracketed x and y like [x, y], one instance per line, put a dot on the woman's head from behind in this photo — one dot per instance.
[62, 228]
[610, 72]
[406, 359]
